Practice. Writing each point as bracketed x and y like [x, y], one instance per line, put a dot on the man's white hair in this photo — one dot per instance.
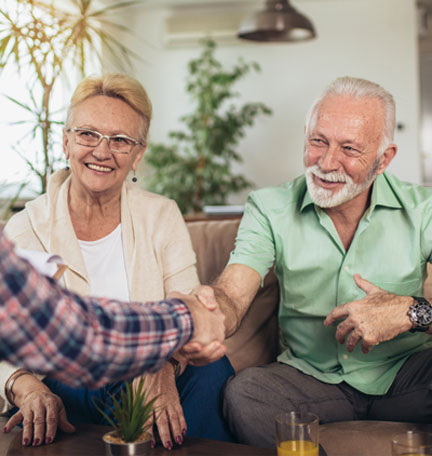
[360, 88]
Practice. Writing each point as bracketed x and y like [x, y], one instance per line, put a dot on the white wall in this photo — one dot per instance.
[364, 38]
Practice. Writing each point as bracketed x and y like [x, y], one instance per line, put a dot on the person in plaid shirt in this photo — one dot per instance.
[94, 341]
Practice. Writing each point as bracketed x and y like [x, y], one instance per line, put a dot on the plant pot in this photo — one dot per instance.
[115, 447]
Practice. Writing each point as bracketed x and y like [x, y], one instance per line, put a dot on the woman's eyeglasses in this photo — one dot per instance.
[119, 144]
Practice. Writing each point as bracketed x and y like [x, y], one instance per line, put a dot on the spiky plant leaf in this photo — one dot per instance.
[131, 412]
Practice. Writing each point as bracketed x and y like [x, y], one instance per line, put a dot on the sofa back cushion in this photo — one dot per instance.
[256, 341]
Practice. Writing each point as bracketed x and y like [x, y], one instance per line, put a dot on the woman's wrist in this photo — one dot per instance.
[10, 392]
[179, 364]
[176, 366]
[20, 385]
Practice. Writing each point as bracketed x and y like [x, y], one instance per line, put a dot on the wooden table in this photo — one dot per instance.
[353, 438]
[87, 441]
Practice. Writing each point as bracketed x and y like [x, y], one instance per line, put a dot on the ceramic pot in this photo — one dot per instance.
[140, 448]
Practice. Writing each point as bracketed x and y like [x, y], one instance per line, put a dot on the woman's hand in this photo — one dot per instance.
[169, 417]
[40, 411]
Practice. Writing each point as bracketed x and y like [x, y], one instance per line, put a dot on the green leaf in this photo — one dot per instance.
[195, 167]
[131, 412]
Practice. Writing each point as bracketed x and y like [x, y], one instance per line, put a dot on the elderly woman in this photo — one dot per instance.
[120, 242]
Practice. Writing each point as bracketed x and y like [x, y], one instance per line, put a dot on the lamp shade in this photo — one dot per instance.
[279, 21]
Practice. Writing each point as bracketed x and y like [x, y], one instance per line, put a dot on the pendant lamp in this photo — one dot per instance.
[279, 21]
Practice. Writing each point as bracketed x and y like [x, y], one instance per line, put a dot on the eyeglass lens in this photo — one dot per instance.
[117, 143]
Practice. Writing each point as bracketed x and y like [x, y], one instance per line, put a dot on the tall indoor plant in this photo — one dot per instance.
[46, 41]
[195, 168]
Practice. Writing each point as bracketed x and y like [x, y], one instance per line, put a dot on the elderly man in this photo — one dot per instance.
[350, 244]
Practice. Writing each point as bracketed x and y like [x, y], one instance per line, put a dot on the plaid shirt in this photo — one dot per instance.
[91, 341]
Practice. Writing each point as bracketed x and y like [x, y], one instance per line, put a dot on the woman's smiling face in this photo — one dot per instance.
[97, 170]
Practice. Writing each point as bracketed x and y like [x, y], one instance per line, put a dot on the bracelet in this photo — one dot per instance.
[10, 383]
[176, 365]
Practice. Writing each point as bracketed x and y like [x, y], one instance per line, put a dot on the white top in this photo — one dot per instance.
[105, 266]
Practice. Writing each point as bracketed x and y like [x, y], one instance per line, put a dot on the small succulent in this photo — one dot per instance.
[131, 412]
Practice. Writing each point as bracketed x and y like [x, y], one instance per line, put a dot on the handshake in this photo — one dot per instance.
[206, 345]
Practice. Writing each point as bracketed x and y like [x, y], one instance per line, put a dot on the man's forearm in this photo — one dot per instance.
[82, 340]
[234, 291]
[233, 314]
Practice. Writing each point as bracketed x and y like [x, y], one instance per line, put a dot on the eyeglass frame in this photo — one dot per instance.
[107, 137]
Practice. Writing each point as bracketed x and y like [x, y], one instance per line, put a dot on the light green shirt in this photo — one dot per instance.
[281, 226]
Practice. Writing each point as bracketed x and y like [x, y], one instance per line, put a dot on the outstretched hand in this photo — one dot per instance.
[377, 317]
[206, 345]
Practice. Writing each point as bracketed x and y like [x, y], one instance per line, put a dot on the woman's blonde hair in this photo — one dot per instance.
[115, 85]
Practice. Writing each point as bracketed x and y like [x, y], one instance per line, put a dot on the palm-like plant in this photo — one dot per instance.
[46, 42]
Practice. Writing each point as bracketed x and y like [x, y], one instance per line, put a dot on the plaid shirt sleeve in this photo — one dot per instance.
[91, 341]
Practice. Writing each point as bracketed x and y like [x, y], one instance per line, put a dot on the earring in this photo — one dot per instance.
[67, 168]
[134, 178]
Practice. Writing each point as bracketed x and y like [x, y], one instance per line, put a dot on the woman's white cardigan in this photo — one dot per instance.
[156, 244]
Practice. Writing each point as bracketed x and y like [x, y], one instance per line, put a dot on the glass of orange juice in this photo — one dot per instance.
[297, 434]
[412, 443]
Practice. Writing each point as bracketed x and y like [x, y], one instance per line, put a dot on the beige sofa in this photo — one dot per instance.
[256, 342]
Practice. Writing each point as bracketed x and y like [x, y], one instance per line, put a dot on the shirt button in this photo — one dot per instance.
[346, 268]
[345, 356]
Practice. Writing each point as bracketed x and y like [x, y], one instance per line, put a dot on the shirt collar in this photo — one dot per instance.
[382, 195]
[307, 200]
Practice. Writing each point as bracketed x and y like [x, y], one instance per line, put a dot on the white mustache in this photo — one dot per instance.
[332, 176]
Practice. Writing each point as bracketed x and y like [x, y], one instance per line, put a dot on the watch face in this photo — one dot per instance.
[421, 314]
[424, 314]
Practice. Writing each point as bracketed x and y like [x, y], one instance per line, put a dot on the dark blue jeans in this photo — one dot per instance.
[200, 390]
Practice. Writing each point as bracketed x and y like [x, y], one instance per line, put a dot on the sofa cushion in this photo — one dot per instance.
[256, 341]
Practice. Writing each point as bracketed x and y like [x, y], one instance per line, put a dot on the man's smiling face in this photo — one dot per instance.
[342, 147]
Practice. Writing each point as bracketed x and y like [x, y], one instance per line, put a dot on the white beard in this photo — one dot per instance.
[325, 198]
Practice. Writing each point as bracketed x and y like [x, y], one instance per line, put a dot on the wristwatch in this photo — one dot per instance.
[420, 314]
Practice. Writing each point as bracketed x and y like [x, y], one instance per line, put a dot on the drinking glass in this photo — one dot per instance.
[297, 434]
[412, 443]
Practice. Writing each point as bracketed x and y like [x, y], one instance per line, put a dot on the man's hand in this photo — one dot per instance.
[206, 345]
[378, 317]
[207, 297]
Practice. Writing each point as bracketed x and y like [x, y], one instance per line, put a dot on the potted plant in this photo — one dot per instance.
[195, 169]
[131, 419]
